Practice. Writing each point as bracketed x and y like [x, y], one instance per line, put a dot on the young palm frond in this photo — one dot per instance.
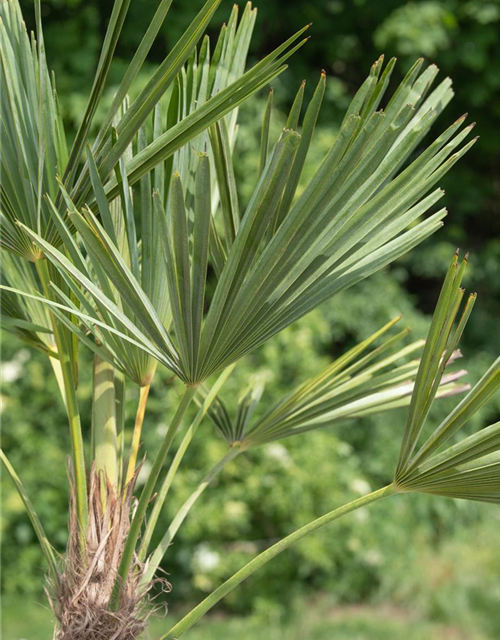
[361, 382]
[470, 468]
[33, 140]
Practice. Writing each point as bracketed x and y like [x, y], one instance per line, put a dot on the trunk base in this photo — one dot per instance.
[82, 600]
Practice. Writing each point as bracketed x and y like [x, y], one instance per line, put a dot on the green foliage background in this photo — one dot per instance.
[435, 556]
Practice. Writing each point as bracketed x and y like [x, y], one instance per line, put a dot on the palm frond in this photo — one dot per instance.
[229, 89]
[34, 150]
[363, 381]
[33, 140]
[470, 468]
[285, 255]
[24, 317]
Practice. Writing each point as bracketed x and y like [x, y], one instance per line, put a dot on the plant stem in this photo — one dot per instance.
[147, 492]
[37, 525]
[193, 616]
[56, 367]
[162, 494]
[167, 483]
[104, 422]
[183, 512]
[71, 402]
[120, 391]
[136, 436]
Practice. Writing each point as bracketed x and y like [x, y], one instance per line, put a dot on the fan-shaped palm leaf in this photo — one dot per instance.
[363, 381]
[34, 149]
[288, 256]
[470, 468]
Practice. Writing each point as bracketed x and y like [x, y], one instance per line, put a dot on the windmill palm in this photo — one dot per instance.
[132, 242]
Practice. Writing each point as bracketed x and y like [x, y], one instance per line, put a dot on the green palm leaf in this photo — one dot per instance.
[470, 468]
[285, 256]
[24, 317]
[34, 149]
[363, 381]
[33, 140]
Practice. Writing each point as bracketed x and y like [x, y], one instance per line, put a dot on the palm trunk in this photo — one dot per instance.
[82, 600]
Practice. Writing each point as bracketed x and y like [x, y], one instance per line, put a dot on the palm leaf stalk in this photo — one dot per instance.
[198, 612]
[68, 360]
[469, 469]
[136, 435]
[175, 464]
[153, 476]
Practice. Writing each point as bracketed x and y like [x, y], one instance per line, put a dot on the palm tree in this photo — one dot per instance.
[112, 242]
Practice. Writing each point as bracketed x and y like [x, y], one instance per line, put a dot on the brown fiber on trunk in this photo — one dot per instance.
[82, 600]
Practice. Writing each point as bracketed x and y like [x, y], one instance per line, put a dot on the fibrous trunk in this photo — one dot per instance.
[82, 600]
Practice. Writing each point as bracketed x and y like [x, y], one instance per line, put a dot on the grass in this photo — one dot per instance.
[320, 621]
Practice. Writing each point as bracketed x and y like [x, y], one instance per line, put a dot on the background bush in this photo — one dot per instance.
[437, 556]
